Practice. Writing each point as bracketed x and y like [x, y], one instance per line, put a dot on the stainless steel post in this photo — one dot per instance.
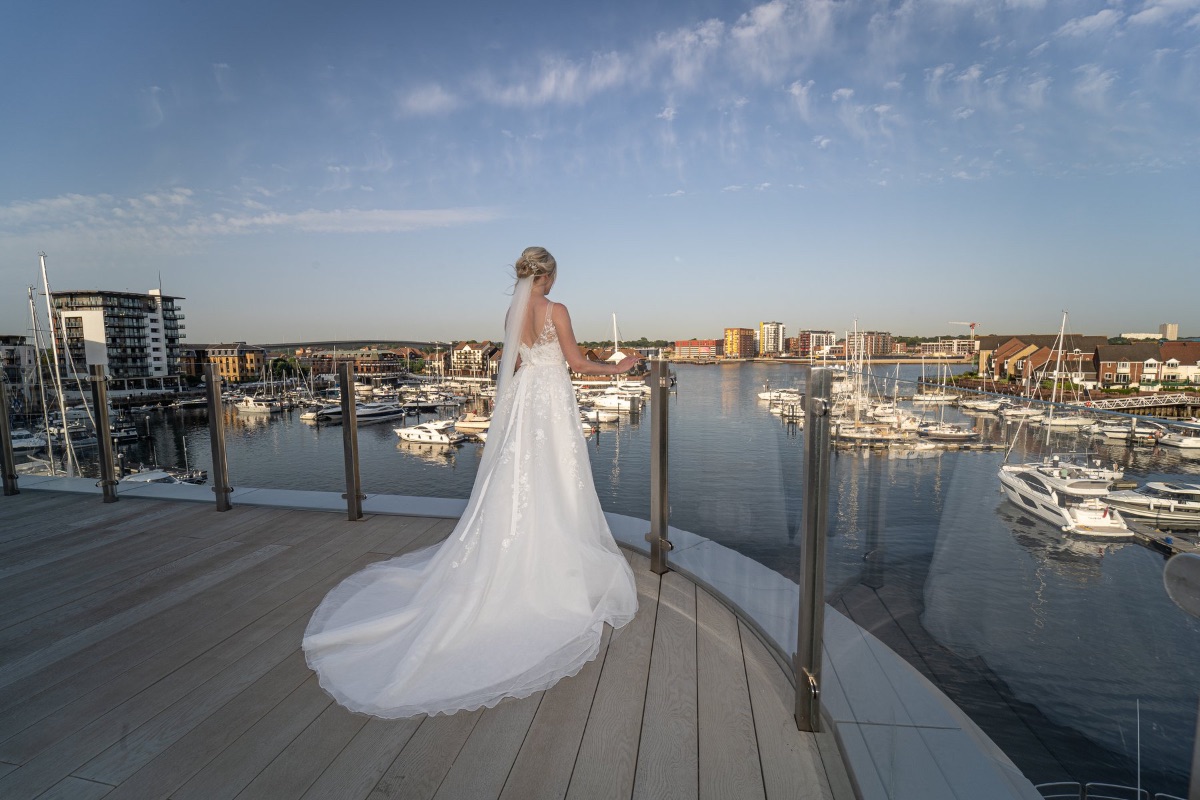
[216, 437]
[108, 472]
[660, 510]
[353, 495]
[811, 627]
[7, 462]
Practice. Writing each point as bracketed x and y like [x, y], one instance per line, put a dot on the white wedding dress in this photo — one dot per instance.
[514, 600]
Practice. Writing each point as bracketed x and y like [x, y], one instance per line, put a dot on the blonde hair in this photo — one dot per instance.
[535, 261]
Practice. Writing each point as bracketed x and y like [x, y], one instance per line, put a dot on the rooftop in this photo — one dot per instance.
[151, 648]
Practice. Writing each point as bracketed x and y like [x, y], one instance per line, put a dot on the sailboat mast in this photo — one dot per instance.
[37, 360]
[62, 404]
[1057, 369]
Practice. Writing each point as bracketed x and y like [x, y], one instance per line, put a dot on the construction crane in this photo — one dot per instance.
[971, 325]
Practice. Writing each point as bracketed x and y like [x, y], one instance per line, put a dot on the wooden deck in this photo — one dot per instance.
[151, 649]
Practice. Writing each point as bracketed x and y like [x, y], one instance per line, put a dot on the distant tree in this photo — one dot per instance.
[1117, 340]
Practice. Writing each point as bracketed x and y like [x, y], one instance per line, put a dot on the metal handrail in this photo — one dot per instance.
[108, 471]
[811, 626]
[7, 462]
[216, 432]
[660, 510]
[353, 495]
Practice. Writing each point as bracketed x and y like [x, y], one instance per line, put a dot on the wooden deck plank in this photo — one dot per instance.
[729, 758]
[237, 765]
[544, 764]
[59, 530]
[209, 697]
[792, 767]
[483, 764]
[71, 753]
[296, 768]
[426, 758]
[76, 789]
[36, 512]
[194, 657]
[181, 633]
[59, 648]
[362, 763]
[667, 766]
[222, 738]
[607, 759]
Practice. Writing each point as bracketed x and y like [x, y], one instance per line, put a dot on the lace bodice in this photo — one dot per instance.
[545, 350]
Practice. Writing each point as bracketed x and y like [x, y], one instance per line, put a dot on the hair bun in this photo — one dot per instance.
[535, 261]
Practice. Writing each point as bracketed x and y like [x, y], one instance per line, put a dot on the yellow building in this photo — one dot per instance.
[236, 362]
[739, 343]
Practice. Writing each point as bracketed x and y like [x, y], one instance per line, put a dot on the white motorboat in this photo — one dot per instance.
[1185, 440]
[472, 423]
[436, 432]
[946, 432]
[24, 440]
[781, 396]
[1139, 432]
[124, 434]
[981, 404]
[934, 398]
[616, 402]
[1064, 494]
[370, 413]
[1165, 504]
[150, 476]
[1027, 413]
[324, 413]
[259, 405]
[599, 415]
[1065, 421]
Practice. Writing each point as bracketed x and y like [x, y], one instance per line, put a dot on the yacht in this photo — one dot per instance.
[1065, 494]
[616, 402]
[599, 415]
[473, 423]
[981, 404]
[368, 413]
[1166, 504]
[946, 432]
[1186, 440]
[436, 432]
[323, 413]
[259, 405]
[24, 440]
[1139, 433]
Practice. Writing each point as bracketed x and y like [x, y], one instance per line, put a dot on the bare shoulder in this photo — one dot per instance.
[559, 312]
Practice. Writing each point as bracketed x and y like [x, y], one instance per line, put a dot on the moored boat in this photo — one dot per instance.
[1064, 494]
[1163, 503]
[435, 432]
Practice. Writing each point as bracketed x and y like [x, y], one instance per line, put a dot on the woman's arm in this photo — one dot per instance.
[575, 359]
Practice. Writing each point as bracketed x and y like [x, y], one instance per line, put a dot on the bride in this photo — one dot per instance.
[518, 595]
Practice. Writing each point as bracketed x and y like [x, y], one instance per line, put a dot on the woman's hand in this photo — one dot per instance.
[627, 363]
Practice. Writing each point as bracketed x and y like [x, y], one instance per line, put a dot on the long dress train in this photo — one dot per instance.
[514, 600]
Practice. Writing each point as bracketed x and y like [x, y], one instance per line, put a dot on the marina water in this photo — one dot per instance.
[1049, 642]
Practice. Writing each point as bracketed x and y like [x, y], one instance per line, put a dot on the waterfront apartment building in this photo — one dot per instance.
[739, 343]
[770, 338]
[18, 364]
[236, 362]
[869, 343]
[134, 336]
[471, 359]
[698, 349]
[814, 343]
[948, 347]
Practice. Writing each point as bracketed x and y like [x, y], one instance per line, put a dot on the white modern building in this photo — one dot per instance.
[770, 338]
[136, 337]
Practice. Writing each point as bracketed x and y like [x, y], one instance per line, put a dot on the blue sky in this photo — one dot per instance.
[310, 170]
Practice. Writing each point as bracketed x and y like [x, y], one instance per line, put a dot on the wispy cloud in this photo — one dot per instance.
[429, 100]
[168, 216]
[1156, 12]
[1100, 22]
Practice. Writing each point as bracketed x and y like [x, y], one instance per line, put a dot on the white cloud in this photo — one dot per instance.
[1093, 85]
[559, 81]
[842, 94]
[667, 113]
[762, 187]
[676, 193]
[430, 100]
[1034, 4]
[223, 75]
[736, 187]
[934, 78]
[1159, 11]
[152, 109]
[1100, 22]
[963, 112]
[799, 94]
[1033, 93]
[822, 142]
[688, 50]
[172, 214]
